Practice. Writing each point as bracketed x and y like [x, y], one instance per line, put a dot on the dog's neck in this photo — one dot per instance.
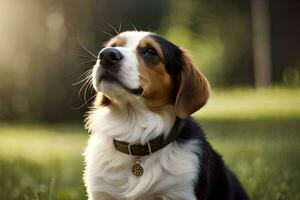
[131, 122]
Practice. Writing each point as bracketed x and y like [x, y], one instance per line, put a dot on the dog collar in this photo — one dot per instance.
[153, 145]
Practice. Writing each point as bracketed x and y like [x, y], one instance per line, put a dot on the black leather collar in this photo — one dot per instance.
[153, 145]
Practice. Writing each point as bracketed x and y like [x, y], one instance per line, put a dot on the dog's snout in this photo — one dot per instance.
[110, 56]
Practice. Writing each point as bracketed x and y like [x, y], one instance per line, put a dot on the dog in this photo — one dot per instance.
[143, 143]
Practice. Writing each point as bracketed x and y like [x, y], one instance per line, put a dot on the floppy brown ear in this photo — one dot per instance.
[193, 90]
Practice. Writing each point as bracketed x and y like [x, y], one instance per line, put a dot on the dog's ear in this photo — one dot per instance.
[193, 90]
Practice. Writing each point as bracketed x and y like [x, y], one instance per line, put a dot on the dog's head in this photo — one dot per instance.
[142, 66]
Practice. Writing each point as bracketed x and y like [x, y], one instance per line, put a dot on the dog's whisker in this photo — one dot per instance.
[120, 28]
[86, 77]
[86, 73]
[107, 33]
[87, 86]
[91, 87]
[81, 55]
[144, 77]
[86, 49]
[85, 103]
[78, 82]
[134, 27]
[142, 86]
[87, 59]
[85, 83]
[84, 94]
[140, 75]
[114, 29]
[84, 62]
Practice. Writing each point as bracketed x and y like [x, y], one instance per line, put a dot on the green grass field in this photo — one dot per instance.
[257, 132]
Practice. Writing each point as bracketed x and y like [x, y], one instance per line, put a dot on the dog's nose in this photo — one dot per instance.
[109, 56]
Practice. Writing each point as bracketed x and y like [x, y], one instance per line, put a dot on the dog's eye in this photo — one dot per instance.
[150, 51]
[114, 45]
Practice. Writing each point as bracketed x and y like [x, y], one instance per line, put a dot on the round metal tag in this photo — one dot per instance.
[137, 169]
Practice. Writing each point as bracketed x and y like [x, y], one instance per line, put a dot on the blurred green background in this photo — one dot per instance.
[249, 50]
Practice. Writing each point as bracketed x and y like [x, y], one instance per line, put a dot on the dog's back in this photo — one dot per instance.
[215, 181]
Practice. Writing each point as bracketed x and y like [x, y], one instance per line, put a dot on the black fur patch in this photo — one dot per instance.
[215, 181]
[172, 55]
[173, 60]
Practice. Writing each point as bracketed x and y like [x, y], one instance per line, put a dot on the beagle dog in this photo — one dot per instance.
[143, 144]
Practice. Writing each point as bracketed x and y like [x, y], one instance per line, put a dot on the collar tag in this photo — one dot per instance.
[137, 169]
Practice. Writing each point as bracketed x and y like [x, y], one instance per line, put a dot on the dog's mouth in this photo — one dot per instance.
[109, 77]
[112, 78]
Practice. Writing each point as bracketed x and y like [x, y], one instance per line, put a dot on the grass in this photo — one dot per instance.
[252, 104]
[263, 153]
[41, 162]
[257, 132]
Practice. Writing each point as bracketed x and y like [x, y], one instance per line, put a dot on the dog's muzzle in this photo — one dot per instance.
[111, 63]
[110, 57]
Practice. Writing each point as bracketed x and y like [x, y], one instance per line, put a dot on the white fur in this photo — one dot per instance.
[169, 174]
[129, 74]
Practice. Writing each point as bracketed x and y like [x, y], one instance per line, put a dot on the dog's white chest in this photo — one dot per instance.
[168, 173]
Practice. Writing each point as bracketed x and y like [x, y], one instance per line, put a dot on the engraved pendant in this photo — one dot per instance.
[137, 169]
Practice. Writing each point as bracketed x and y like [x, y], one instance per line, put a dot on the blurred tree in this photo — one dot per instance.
[285, 40]
[261, 43]
[217, 32]
[38, 61]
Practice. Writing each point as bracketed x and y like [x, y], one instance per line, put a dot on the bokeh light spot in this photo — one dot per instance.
[55, 21]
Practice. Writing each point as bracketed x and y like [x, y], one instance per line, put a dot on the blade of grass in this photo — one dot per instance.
[51, 188]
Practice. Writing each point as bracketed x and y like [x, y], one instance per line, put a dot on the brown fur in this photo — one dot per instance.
[101, 100]
[116, 41]
[149, 41]
[155, 80]
[193, 91]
